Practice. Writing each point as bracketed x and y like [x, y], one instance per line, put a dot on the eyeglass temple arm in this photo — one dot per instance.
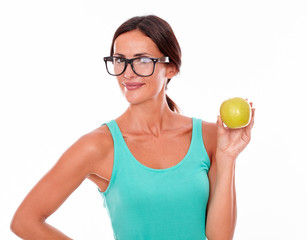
[163, 59]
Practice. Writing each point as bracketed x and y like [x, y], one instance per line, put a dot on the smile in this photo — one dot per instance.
[133, 85]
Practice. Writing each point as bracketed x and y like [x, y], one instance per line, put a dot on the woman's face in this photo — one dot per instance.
[137, 89]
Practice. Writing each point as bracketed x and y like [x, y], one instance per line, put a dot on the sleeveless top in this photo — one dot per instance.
[144, 203]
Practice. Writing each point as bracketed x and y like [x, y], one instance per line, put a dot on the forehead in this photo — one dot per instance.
[135, 42]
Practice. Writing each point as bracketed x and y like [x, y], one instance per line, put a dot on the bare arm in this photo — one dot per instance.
[222, 207]
[29, 221]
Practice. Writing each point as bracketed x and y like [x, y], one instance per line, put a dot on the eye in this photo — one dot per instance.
[118, 60]
[142, 61]
[145, 60]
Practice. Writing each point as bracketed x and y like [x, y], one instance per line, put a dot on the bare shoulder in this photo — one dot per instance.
[86, 151]
[100, 136]
[209, 137]
[100, 141]
[97, 143]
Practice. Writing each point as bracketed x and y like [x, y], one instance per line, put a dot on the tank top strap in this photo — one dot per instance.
[116, 135]
[198, 147]
[197, 130]
[119, 153]
[120, 148]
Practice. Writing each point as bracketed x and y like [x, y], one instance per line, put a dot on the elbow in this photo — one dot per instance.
[22, 226]
[17, 226]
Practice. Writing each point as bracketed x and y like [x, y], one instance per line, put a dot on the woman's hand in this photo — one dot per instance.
[230, 142]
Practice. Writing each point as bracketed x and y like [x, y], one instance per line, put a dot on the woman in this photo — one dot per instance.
[162, 175]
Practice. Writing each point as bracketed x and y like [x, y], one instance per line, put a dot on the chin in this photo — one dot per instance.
[135, 101]
[133, 98]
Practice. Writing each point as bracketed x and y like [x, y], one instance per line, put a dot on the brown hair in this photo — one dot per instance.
[162, 35]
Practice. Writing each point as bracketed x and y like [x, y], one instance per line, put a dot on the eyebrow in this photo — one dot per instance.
[118, 54]
[142, 54]
[135, 55]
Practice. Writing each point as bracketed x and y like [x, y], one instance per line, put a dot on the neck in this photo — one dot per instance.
[150, 117]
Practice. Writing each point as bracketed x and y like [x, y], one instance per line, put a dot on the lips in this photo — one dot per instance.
[133, 85]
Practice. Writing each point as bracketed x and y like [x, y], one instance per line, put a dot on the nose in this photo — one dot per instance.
[129, 73]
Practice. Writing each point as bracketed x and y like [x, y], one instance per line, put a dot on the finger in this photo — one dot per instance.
[220, 126]
[250, 103]
[253, 117]
[251, 123]
[253, 112]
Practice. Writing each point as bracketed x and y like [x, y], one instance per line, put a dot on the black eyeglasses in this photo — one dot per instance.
[141, 66]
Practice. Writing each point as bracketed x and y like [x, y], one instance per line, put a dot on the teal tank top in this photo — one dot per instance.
[158, 204]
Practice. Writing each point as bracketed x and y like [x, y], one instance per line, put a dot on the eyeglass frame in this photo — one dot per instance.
[163, 59]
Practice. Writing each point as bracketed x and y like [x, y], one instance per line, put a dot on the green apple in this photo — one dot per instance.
[235, 112]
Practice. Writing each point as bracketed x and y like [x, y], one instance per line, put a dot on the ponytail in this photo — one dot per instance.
[172, 105]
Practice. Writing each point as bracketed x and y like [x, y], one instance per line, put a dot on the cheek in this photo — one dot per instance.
[159, 79]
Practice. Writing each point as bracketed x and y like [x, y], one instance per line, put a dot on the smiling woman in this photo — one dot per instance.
[162, 175]
[161, 34]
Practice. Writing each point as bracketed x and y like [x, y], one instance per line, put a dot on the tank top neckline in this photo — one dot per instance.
[124, 144]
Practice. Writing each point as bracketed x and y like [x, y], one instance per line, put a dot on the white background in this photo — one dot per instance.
[54, 88]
